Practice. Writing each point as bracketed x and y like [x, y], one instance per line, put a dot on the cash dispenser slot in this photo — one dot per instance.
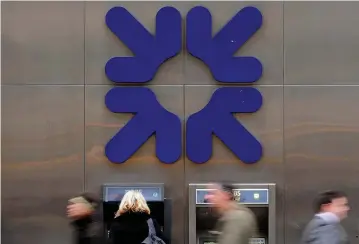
[161, 208]
[260, 198]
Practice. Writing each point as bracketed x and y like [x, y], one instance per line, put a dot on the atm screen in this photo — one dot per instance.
[206, 220]
[261, 214]
[244, 196]
[115, 193]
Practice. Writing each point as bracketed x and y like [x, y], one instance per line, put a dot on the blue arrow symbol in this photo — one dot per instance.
[150, 118]
[216, 118]
[149, 51]
[217, 52]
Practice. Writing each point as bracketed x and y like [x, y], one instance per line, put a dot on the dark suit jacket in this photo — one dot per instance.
[88, 231]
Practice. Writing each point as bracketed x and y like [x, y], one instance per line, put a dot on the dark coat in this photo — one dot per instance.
[88, 231]
[132, 228]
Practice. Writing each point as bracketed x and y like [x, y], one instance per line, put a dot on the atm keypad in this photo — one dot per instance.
[257, 241]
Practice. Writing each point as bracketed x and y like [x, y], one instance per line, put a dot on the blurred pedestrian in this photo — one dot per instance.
[330, 207]
[83, 211]
[237, 224]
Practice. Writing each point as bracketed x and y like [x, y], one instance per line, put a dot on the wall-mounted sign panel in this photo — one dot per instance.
[244, 196]
[216, 52]
[115, 193]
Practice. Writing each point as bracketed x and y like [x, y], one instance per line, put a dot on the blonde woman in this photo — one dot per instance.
[130, 224]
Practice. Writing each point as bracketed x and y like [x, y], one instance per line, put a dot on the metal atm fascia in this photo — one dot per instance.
[271, 204]
[134, 186]
[151, 187]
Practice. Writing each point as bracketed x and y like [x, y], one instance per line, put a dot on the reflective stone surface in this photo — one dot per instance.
[55, 123]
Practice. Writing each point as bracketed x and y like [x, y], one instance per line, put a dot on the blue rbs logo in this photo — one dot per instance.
[150, 52]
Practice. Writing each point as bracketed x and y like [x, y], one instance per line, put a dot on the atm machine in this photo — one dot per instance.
[260, 198]
[154, 194]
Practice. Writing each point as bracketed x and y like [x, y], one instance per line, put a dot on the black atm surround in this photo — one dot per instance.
[161, 207]
[260, 198]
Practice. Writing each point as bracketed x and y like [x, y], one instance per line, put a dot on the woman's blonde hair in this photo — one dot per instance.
[133, 201]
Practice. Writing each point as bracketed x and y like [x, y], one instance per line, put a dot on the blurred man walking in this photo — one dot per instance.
[331, 208]
[83, 211]
[237, 223]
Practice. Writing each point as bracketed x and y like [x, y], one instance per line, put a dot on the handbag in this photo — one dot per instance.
[152, 238]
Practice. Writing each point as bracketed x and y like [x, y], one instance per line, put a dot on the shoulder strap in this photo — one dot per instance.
[151, 227]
